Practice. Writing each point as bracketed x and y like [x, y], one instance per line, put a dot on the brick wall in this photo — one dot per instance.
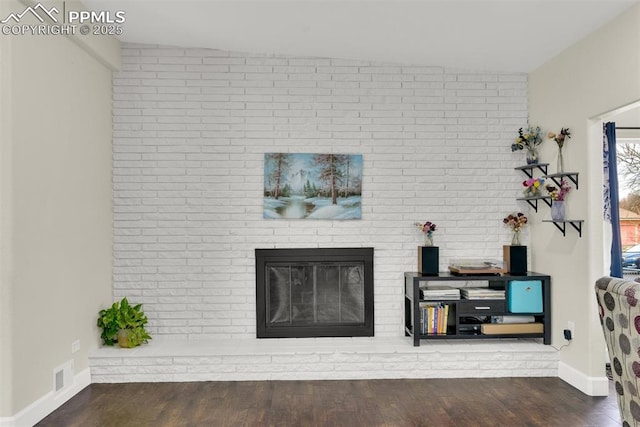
[191, 130]
[322, 359]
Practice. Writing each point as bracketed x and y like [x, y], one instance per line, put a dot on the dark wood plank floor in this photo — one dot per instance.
[435, 402]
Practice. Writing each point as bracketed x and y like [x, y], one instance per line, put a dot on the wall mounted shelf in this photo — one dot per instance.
[533, 201]
[528, 169]
[557, 177]
[562, 225]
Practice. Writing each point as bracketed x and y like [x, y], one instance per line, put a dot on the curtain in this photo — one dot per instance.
[610, 193]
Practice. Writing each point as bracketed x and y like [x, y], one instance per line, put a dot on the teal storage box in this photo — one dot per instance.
[524, 296]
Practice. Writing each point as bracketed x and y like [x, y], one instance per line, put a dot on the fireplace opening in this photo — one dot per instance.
[315, 292]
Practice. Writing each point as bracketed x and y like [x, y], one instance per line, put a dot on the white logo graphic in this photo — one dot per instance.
[34, 11]
[85, 22]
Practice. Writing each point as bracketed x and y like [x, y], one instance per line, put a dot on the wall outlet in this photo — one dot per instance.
[75, 346]
[572, 326]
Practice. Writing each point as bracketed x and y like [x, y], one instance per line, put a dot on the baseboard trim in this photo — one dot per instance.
[591, 386]
[48, 403]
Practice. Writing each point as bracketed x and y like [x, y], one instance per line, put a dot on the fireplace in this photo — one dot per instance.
[314, 292]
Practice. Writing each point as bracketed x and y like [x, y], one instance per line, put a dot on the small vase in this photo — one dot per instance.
[515, 238]
[557, 210]
[531, 192]
[428, 240]
[532, 156]
[560, 167]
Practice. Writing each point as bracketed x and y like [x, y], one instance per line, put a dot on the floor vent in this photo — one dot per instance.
[63, 376]
[59, 380]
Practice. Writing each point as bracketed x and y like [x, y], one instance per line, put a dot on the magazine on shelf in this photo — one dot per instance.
[439, 293]
[482, 293]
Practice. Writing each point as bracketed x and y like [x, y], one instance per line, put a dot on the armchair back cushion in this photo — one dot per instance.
[619, 310]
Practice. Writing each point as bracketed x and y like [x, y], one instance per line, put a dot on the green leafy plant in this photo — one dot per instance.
[124, 324]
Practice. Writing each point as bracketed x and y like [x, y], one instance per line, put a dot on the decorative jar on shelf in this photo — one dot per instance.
[557, 210]
[560, 166]
[515, 238]
[532, 155]
[531, 192]
[428, 239]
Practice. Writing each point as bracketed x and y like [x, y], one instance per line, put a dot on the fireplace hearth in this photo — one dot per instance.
[316, 292]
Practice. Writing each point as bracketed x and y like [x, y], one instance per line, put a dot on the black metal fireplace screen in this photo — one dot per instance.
[314, 292]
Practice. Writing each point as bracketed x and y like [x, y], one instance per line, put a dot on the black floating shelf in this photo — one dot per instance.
[533, 201]
[562, 225]
[528, 169]
[557, 177]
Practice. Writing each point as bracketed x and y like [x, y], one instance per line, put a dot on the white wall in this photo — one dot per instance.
[6, 379]
[595, 76]
[191, 128]
[56, 207]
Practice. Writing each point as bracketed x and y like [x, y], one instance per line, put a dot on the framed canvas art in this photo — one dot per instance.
[314, 186]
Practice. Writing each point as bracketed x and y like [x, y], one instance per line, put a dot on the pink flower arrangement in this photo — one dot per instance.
[427, 228]
[558, 194]
[532, 186]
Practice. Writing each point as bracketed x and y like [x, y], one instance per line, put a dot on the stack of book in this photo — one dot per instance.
[482, 293]
[439, 293]
[433, 318]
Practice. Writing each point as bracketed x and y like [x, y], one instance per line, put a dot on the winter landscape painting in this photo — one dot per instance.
[314, 186]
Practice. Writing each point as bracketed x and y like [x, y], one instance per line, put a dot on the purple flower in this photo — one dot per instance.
[631, 297]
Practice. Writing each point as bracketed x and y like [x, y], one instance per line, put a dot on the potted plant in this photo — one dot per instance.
[124, 324]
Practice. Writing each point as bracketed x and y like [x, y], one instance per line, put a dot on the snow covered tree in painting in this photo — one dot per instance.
[331, 171]
[280, 163]
[317, 186]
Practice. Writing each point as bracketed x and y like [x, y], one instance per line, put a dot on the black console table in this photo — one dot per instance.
[462, 314]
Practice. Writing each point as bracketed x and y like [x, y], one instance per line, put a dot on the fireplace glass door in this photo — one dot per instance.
[310, 294]
[314, 292]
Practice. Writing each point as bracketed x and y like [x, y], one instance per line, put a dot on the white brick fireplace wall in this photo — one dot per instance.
[191, 129]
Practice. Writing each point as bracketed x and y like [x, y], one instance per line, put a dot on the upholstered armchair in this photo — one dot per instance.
[620, 317]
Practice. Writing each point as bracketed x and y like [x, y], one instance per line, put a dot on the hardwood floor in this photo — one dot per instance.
[433, 402]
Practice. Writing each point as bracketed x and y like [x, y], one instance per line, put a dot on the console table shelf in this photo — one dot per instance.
[462, 312]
